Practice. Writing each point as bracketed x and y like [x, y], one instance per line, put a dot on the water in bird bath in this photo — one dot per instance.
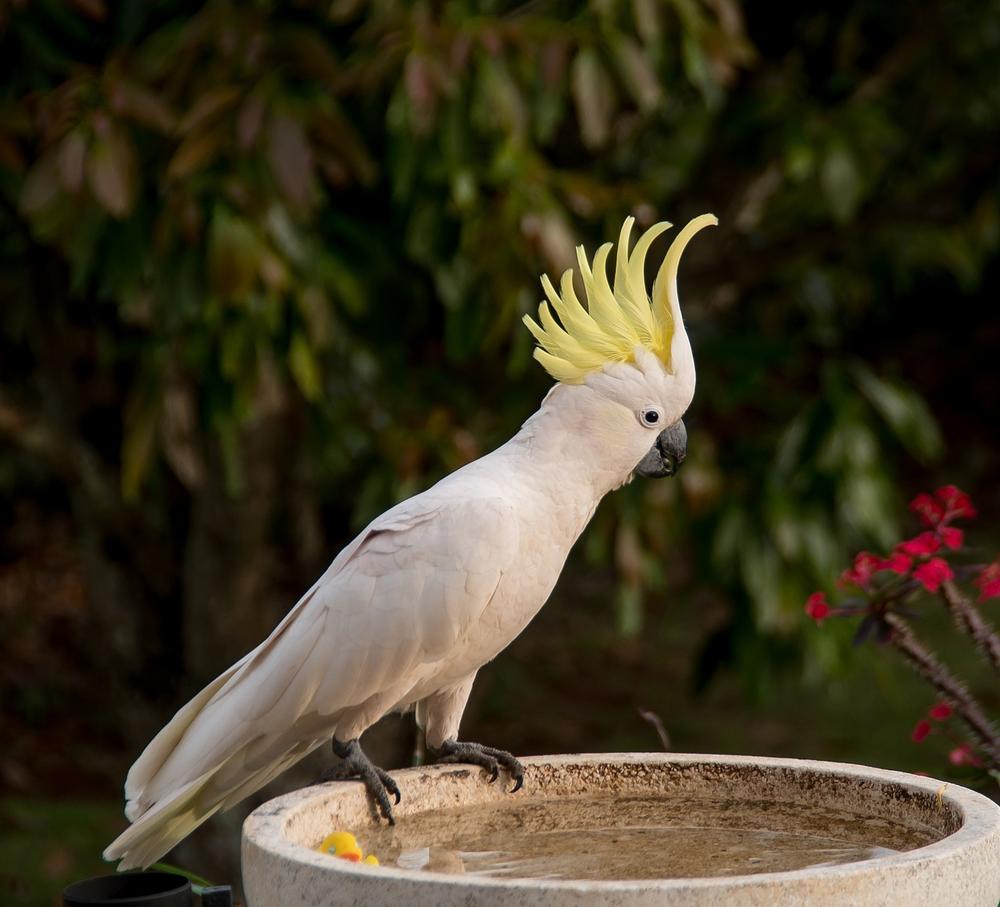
[605, 838]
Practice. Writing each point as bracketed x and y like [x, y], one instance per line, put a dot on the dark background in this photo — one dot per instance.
[262, 268]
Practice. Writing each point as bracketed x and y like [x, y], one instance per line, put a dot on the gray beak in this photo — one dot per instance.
[667, 454]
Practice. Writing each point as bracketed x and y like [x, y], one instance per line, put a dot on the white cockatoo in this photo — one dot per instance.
[442, 583]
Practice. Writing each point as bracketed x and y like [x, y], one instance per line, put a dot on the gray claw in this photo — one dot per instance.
[377, 781]
[484, 756]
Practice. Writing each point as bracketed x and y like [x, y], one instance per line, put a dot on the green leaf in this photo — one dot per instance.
[628, 610]
[142, 415]
[761, 573]
[304, 367]
[698, 71]
[233, 253]
[904, 411]
[227, 431]
[208, 107]
[867, 501]
[196, 152]
[638, 73]
[143, 106]
[112, 173]
[41, 186]
[192, 877]
[732, 528]
[315, 307]
[646, 14]
[594, 96]
[840, 179]
[503, 97]
[72, 161]
[291, 158]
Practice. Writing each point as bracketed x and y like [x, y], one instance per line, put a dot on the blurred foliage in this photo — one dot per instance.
[263, 267]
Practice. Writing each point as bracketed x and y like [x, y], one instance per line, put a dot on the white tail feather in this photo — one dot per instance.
[160, 828]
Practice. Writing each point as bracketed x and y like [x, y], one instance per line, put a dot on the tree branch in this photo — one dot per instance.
[968, 619]
[949, 686]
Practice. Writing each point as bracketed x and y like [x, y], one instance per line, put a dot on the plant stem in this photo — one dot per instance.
[968, 619]
[949, 686]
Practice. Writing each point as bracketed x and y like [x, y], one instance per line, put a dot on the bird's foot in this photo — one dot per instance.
[485, 756]
[356, 765]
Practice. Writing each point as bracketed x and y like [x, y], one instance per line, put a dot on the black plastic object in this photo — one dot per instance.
[148, 889]
[217, 896]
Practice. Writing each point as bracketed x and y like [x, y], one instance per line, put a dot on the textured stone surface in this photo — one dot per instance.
[962, 869]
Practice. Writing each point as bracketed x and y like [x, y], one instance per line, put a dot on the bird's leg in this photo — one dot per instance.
[355, 764]
[486, 756]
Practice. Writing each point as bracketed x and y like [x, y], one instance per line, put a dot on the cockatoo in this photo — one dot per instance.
[443, 582]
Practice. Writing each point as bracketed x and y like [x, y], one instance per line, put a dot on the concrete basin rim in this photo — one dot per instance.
[980, 819]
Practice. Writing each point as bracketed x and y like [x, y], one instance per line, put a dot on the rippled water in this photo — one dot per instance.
[636, 838]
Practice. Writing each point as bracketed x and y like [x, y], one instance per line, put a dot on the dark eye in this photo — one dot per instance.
[650, 416]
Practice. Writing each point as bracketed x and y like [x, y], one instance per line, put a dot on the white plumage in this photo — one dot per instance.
[411, 609]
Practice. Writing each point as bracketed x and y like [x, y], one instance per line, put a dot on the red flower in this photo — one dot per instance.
[921, 730]
[897, 562]
[929, 511]
[951, 537]
[956, 500]
[932, 573]
[865, 566]
[988, 581]
[940, 711]
[817, 607]
[921, 545]
[963, 755]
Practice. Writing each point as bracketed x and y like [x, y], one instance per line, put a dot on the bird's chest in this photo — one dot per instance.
[526, 586]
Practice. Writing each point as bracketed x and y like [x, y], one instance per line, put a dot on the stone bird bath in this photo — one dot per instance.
[636, 829]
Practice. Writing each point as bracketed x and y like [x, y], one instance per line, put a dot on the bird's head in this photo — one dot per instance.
[628, 349]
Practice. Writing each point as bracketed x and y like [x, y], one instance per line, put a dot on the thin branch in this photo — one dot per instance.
[968, 619]
[657, 723]
[949, 686]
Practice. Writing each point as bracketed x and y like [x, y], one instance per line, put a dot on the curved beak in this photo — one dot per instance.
[666, 455]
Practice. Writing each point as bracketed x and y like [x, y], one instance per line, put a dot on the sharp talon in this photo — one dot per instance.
[492, 760]
[389, 784]
[378, 783]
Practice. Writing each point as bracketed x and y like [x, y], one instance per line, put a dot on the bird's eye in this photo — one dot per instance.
[650, 416]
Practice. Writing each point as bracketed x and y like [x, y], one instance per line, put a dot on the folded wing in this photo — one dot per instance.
[394, 603]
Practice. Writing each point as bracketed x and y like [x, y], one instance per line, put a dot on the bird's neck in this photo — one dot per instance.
[574, 442]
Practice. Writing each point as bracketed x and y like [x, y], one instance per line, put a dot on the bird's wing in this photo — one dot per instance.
[400, 597]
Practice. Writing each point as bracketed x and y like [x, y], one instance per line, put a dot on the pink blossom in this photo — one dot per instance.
[921, 545]
[932, 573]
[963, 755]
[920, 730]
[865, 566]
[897, 562]
[951, 537]
[940, 711]
[957, 501]
[929, 511]
[988, 581]
[817, 607]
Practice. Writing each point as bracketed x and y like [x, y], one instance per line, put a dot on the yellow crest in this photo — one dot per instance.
[616, 319]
